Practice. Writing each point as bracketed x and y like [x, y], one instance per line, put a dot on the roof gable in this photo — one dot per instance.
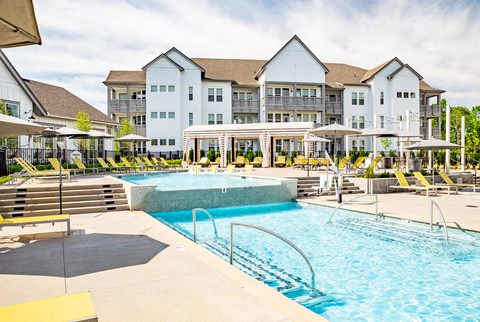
[297, 39]
[392, 75]
[160, 57]
[175, 50]
[372, 72]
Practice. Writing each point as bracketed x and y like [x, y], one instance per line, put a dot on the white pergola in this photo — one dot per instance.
[263, 132]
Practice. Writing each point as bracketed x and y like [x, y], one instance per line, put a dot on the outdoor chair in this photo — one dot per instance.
[230, 168]
[128, 164]
[257, 162]
[57, 165]
[203, 161]
[216, 162]
[195, 168]
[23, 221]
[281, 161]
[116, 166]
[448, 181]
[343, 165]
[358, 163]
[240, 161]
[80, 165]
[35, 173]
[424, 182]
[375, 162]
[104, 164]
[248, 168]
[163, 162]
[152, 165]
[213, 168]
[299, 162]
[402, 183]
[324, 186]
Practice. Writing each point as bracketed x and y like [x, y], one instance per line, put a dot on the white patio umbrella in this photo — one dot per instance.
[335, 129]
[18, 26]
[433, 144]
[13, 126]
[97, 135]
[308, 138]
[132, 138]
[377, 133]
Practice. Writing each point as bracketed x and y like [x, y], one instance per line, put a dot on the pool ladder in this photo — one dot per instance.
[350, 201]
[194, 220]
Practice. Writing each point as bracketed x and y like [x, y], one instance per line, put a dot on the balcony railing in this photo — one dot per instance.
[115, 105]
[429, 111]
[333, 107]
[141, 130]
[424, 132]
[245, 106]
[290, 102]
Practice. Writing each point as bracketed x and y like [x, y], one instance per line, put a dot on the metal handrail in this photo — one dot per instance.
[194, 220]
[279, 237]
[433, 202]
[350, 201]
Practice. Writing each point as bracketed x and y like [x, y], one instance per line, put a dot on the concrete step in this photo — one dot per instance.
[55, 188]
[56, 193]
[66, 204]
[70, 211]
[65, 198]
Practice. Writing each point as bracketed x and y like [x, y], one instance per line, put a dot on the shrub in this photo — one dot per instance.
[294, 154]
[190, 155]
[211, 155]
[392, 153]
[239, 152]
[5, 179]
[14, 168]
[369, 173]
[249, 155]
[282, 152]
[202, 153]
[259, 153]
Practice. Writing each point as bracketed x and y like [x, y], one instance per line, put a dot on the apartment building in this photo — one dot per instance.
[173, 92]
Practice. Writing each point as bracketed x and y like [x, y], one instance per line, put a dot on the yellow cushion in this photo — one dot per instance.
[32, 220]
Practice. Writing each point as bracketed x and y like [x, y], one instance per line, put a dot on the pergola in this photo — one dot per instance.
[265, 133]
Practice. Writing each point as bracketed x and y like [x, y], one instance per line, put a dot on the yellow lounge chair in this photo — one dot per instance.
[402, 183]
[116, 166]
[69, 307]
[213, 168]
[104, 164]
[35, 173]
[152, 165]
[163, 162]
[240, 161]
[358, 163]
[376, 161]
[448, 181]
[129, 165]
[257, 162]
[299, 162]
[248, 168]
[195, 168]
[230, 168]
[424, 182]
[23, 221]
[80, 165]
[217, 161]
[56, 165]
[203, 161]
[281, 161]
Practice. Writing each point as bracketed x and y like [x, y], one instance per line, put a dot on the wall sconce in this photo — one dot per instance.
[31, 118]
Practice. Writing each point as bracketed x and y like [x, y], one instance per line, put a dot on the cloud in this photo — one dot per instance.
[84, 40]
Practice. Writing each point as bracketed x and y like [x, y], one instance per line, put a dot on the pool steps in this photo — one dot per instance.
[44, 200]
[304, 186]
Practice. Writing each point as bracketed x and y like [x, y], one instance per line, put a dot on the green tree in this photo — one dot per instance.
[82, 122]
[125, 128]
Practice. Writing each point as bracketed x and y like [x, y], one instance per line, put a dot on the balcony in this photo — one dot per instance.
[435, 132]
[119, 106]
[141, 130]
[429, 111]
[333, 107]
[291, 102]
[246, 106]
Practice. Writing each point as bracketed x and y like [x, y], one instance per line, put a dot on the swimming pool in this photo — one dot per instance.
[366, 269]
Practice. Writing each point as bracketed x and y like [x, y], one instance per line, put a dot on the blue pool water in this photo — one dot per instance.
[184, 180]
[366, 269]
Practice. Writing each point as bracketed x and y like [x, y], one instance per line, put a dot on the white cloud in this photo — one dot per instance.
[84, 40]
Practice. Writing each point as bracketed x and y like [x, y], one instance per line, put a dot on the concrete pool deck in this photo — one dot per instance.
[138, 269]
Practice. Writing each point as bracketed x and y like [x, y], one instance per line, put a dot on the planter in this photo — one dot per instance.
[416, 164]
[387, 162]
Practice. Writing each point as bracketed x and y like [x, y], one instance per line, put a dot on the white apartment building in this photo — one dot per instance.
[173, 92]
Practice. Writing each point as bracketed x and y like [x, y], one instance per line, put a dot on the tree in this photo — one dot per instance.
[83, 123]
[125, 128]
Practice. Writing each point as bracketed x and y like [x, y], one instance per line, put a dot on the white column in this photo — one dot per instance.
[347, 140]
[430, 158]
[447, 138]
[374, 139]
[407, 129]
[463, 144]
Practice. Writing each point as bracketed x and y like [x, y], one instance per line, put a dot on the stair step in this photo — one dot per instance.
[55, 193]
[55, 205]
[70, 211]
[65, 198]
[65, 187]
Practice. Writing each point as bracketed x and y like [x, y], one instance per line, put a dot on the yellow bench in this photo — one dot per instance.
[23, 221]
[70, 307]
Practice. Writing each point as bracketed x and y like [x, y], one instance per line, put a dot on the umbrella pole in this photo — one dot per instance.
[60, 190]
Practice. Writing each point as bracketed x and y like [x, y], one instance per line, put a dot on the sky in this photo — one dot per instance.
[84, 39]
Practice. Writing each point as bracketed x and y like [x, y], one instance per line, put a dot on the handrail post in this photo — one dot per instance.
[432, 203]
[350, 201]
[194, 221]
[231, 244]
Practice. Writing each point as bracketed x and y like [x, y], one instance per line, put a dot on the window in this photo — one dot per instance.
[171, 88]
[313, 118]
[399, 94]
[190, 93]
[154, 115]
[412, 95]
[12, 109]
[354, 98]
[382, 121]
[163, 141]
[211, 94]
[163, 115]
[269, 91]
[163, 88]
[405, 94]
[362, 145]
[299, 92]
[154, 142]
[249, 96]
[305, 118]
[190, 119]
[278, 118]
[171, 115]
[382, 98]
[313, 93]
[361, 122]
[153, 88]
[270, 118]
[241, 95]
[278, 92]
[211, 119]
[361, 98]
[305, 92]
[286, 117]
[219, 118]
[171, 142]
[354, 123]
[219, 95]
[332, 98]
[122, 96]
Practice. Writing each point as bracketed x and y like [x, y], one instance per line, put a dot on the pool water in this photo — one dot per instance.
[366, 269]
[184, 180]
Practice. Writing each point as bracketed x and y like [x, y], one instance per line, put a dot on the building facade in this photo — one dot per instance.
[173, 92]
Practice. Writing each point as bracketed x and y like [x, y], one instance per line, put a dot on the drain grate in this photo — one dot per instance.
[471, 206]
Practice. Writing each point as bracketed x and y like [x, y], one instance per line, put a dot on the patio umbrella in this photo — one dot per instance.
[132, 138]
[312, 138]
[97, 135]
[377, 133]
[335, 129]
[18, 26]
[14, 126]
[433, 144]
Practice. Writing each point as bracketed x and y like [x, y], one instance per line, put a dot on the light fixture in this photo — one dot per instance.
[31, 118]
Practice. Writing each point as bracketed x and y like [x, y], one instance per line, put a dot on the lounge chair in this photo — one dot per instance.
[281, 161]
[216, 162]
[299, 162]
[128, 164]
[195, 168]
[116, 166]
[104, 164]
[358, 163]
[402, 183]
[424, 182]
[325, 184]
[57, 165]
[240, 161]
[230, 168]
[203, 161]
[448, 181]
[375, 162]
[257, 162]
[248, 168]
[163, 162]
[152, 165]
[23, 221]
[80, 165]
[213, 168]
[35, 173]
